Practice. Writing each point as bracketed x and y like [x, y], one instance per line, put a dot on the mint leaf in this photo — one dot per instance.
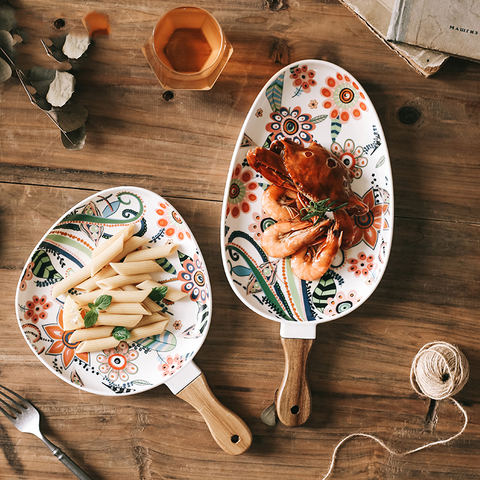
[92, 306]
[120, 333]
[91, 318]
[158, 293]
[102, 302]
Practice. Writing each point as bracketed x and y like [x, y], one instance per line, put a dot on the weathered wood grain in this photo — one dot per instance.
[359, 365]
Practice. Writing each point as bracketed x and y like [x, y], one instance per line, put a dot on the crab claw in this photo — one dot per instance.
[270, 165]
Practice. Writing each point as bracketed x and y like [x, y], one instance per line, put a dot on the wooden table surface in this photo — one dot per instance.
[181, 148]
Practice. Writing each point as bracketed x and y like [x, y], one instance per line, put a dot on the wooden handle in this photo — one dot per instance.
[229, 431]
[294, 401]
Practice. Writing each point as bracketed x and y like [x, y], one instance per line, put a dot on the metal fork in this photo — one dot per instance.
[27, 419]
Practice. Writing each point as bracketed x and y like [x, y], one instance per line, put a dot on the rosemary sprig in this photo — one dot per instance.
[320, 208]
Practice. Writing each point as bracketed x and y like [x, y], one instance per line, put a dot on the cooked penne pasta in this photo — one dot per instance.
[91, 333]
[147, 331]
[128, 309]
[118, 296]
[136, 268]
[126, 232]
[91, 283]
[107, 255]
[97, 345]
[148, 303]
[121, 280]
[71, 281]
[129, 246]
[152, 253]
[172, 294]
[149, 319]
[118, 320]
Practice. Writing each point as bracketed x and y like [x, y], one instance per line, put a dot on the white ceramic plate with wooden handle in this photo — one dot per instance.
[307, 101]
[144, 364]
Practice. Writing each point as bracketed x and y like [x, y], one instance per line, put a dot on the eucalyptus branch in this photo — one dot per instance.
[23, 79]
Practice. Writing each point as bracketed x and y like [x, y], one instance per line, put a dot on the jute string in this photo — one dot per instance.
[439, 370]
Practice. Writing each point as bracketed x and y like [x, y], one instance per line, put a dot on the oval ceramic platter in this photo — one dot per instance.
[67, 246]
[309, 101]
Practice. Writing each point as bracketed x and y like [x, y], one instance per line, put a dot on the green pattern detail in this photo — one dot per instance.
[297, 299]
[71, 243]
[43, 267]
[274, 93]
[263, 284]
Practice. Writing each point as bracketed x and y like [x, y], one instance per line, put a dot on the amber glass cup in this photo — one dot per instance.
[187, 49]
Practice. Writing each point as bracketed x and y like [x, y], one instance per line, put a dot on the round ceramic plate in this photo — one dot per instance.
[67, 246]
[309, 101]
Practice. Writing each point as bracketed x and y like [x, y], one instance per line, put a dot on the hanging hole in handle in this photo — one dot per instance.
[295, 409]
[234, 438]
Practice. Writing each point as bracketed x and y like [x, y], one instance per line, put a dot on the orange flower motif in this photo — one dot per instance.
[241, 190]
[303, 78]
[62, 345]
[343, 98]
[366, 226]
[171, 222]
[36, 309]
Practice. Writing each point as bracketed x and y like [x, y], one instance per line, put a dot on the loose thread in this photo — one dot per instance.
[439, 370]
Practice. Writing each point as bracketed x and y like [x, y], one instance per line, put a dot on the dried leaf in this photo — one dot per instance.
[61, 89]
[269, 415]
[54, 52]
[6, 43]
[76, 139]
[70, 117]
[76, 44]
[41, 102]
[7, 17]
[41, 78]
[5, 71]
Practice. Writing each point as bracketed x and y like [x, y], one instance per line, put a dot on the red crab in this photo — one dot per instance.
[322, 183]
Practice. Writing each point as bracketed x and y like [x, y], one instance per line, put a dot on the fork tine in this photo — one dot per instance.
[8, 415]
[16, 394]
[20, 406]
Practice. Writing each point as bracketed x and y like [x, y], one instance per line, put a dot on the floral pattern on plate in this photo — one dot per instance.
[67, 246]
[310, 101]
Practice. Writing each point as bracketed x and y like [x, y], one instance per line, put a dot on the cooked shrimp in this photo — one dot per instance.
[312, 261]
[280, 203]
[285, 238]
[345, 225]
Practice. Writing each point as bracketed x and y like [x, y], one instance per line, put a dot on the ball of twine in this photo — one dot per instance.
[439, 370]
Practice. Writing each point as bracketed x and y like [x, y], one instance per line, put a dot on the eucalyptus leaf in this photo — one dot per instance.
[41, 102]
[76, 45]
[41, 78]
[7, 17]
[70, 117]
[61, 89]
[5, 71]
[56, 53]
[6, 43]
[58, 42]
[77, 139]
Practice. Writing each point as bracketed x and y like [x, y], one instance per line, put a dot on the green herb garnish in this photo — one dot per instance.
[319, 209]
[120, 333]
[158, 293]
[101, 303]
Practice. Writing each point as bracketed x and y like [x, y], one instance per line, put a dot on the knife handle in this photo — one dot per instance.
[228, 430]
[294, 400]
